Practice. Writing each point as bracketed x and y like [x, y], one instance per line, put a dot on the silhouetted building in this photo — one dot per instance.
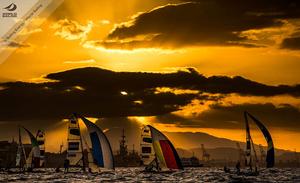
[8, 151]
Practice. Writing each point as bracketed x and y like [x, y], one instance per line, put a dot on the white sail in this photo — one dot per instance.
[40, 136]
[147, 152]
[18, 157]
[19, 151]
[74, 151]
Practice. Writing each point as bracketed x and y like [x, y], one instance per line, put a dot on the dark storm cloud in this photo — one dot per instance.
[95, 79]
[292, 43]
[95, 92]
[90, 91]
[221, 116]
[202, 22]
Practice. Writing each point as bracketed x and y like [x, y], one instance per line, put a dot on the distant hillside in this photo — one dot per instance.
[229, 156]
[194, 140]
[222, 149]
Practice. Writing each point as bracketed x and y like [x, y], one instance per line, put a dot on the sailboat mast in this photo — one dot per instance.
[248, 159]
[22, 147]
[90, 161]
[19, 152]
[60, 147]
[40, 136]
[255, 155]
[82, 150]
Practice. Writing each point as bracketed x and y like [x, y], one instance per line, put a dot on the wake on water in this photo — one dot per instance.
[135, 175]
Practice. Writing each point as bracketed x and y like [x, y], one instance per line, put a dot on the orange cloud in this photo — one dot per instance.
[71, 30]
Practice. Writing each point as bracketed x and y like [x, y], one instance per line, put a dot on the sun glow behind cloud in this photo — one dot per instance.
[142, 120]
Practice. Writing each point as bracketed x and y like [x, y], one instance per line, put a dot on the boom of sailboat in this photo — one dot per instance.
[92, 151]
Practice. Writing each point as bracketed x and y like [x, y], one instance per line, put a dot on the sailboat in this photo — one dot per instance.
[270, 157]
[40, 137]
[165, 158]
[33, 159]
[99, 155]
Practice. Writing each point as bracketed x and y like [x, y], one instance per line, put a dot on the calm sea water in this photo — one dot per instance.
[135, 175]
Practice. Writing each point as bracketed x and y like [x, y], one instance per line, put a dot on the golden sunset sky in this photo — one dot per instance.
[251, 39]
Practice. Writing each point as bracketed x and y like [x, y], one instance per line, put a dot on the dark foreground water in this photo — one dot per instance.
[135, 175]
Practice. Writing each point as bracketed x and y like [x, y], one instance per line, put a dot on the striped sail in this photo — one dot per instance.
[270, 159]
[33, 159]
[147, 152]
[74, 151]
[40, 136]
[101, 149]
[165, 152]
